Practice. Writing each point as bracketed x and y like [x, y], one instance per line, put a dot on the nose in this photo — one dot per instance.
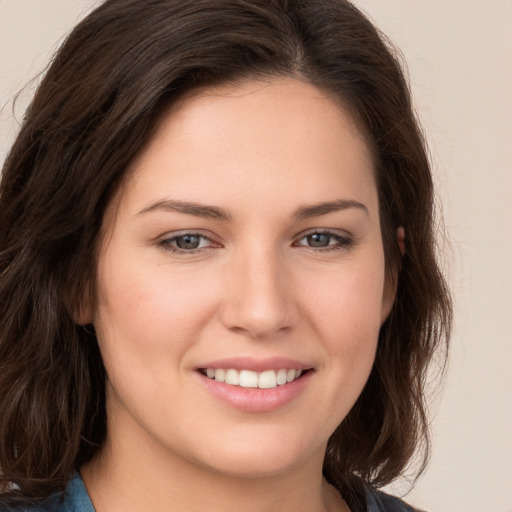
[259, 296]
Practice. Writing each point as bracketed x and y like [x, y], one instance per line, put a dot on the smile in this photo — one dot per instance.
[250, 379]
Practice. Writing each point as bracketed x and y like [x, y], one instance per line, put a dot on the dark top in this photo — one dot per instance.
[76, 499]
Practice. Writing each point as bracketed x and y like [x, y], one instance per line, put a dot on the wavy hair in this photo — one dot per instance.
[95, 109]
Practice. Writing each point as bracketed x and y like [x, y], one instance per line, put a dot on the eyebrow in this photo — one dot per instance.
[189, 208]
[316, 210]
[214, 212]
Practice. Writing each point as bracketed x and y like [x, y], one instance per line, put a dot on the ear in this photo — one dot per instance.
[79, 303]
[391, 284]
[82, 315]
[400, 240]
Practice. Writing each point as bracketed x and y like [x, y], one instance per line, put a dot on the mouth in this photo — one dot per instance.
[256, 385]
[267, 379]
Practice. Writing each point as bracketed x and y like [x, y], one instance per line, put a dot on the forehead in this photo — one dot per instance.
[256, 139]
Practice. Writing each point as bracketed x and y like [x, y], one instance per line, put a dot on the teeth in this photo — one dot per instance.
[267, 379]
[281, 377]
[249, 379]
[232, 377]
[290, 375]
[219, 374]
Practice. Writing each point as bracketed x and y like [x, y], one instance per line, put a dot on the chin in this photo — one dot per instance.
[257, 459]
[255, 466]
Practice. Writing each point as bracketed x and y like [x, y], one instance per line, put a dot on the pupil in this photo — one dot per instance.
[188, 242]
[318, 240]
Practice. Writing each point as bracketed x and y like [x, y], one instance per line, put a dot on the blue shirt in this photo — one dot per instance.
[76, 499]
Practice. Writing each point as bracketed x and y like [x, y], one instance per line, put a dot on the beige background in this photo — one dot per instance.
[459, 54]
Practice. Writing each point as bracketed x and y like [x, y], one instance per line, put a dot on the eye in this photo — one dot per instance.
[325, 240]
[187, 242]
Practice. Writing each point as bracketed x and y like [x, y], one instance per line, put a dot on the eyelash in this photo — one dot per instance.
[343, 242]
[166, 244]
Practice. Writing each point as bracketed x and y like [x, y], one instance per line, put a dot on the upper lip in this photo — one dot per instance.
[256, 364]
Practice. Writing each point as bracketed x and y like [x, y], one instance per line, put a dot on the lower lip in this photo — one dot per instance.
[256, 399]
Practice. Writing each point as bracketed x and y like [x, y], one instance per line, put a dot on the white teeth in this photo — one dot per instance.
[220, 375]
[232, 377]
[281, 377]
[267, 379]
[249, 379]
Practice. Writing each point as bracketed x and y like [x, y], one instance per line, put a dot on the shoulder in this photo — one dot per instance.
[74, 499]
[49, 505]
[379, 501]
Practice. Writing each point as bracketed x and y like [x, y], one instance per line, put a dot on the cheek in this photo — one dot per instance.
[346, 310]
[349, 298]
[345, 318]
[145, 314]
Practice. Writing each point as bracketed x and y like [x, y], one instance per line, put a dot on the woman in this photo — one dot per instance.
[218, 278]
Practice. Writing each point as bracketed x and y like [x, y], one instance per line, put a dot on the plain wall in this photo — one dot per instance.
[459, 55]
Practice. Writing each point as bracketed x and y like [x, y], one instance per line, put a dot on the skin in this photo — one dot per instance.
[255, 287]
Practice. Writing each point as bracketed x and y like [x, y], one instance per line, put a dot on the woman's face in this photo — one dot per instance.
[244, 245]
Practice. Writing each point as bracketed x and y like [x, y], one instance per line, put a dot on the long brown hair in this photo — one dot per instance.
[94, 111]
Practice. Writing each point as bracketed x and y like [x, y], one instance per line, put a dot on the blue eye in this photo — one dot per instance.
[319, 240]
[187, 242]
[324, 240]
